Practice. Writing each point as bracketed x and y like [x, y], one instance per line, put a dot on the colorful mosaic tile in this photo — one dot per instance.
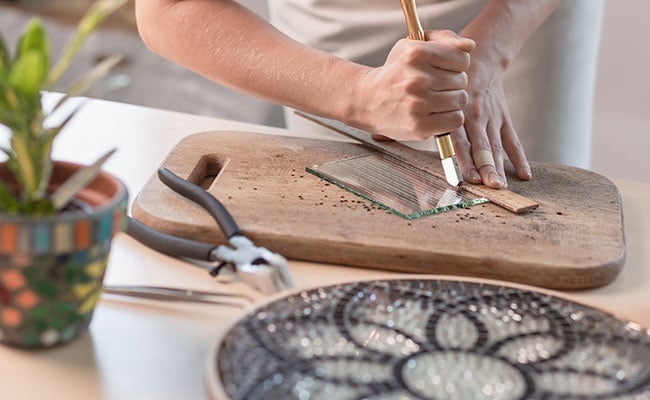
[51, 272]
[52, 299]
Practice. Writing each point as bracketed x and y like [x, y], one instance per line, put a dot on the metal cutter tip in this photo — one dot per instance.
[448, 157]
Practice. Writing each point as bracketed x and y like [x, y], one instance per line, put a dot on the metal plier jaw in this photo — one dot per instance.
[258, 267]
[264, 270]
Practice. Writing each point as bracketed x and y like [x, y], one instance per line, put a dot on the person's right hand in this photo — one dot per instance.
[419, 91]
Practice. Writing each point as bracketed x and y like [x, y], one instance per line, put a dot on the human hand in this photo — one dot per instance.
[419, 91]
[488, 134]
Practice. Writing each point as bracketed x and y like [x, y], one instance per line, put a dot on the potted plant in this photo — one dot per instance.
[55, 232]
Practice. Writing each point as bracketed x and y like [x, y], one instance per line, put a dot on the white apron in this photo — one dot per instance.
[549, 86]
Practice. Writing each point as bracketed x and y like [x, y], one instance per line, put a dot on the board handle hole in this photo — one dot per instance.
[207, 170]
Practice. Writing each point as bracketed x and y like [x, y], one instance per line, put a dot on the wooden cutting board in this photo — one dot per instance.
[573, 240]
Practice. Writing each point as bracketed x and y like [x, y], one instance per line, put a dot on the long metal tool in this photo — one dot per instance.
[445, 146]
[179, 295]
[505, 198]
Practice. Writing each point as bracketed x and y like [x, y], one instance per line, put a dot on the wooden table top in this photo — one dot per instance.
[139, 349]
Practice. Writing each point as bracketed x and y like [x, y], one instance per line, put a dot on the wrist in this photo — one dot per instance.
[490, 49]
[351, 100]
[503, 26]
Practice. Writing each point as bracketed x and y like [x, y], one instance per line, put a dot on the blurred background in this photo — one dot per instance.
[622, 103]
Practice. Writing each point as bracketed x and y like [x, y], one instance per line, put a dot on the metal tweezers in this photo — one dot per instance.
[180, 295]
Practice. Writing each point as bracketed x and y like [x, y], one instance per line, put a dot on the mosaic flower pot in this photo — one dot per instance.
[52, 267]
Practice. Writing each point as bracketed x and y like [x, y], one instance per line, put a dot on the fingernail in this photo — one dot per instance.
[525, 173]
[474, 176]
[494, 179]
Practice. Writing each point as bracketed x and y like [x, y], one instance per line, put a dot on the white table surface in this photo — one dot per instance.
[139, 349]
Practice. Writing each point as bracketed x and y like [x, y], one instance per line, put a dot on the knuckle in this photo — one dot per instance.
[516, 145]
[463, 99]
[464, 80]
[462, 145]
[442, 34]
[456, 119]
[417, 129]
[457, 59]
[475, 112]
[497, 148]
[410, 123]
[415, 53]
[443, 80]
[448, 33]
[415, 106]
[480, 142]
[465, 61]
[415, 83]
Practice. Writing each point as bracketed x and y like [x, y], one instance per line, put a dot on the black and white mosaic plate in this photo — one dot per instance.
[430, 339]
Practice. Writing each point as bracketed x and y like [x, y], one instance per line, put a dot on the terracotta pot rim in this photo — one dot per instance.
[119, 195]
[70, 231]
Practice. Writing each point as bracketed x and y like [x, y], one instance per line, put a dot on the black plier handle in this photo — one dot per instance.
[201, 197]
[257, 266]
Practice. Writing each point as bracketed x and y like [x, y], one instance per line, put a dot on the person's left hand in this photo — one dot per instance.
[488, 134]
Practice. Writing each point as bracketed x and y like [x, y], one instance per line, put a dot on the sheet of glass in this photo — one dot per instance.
[400, 188]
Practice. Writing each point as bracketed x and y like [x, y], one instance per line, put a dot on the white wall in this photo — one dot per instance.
[622, 120]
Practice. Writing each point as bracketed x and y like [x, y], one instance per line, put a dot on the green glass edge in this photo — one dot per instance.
[416, 215]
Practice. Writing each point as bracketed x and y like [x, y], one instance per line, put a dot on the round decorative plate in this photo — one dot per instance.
[429, 339]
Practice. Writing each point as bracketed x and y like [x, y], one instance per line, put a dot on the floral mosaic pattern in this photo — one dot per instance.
[432, 339]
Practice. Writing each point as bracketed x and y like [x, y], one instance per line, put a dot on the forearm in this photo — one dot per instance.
[502, 28]
[228, 44]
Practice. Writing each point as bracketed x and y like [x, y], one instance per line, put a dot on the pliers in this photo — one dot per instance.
[259, 267]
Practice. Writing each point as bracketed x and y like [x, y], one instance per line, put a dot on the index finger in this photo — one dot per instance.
[452, 38]
[447, 57]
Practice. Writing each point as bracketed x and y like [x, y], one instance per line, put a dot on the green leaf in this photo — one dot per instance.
[22, 79]
[39, 207]
[81, 86]
[77, 181]
[10, 119]
[4, 78]
[5, 57]
[53, 132]
[28, 73]
[91, 20]
[44, 151]
[26, 173]
[8, 202]
[34, 39]
[10, 97]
